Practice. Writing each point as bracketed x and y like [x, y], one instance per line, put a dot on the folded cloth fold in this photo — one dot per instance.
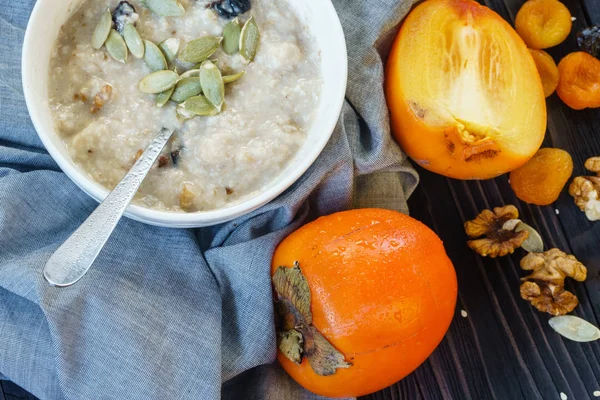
[167, 313]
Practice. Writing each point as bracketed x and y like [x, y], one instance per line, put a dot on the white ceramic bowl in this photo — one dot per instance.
[319, 15]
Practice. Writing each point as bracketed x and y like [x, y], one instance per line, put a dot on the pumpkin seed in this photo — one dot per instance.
[165, 8]
[233, 78]
[158, 82]
[213, 60]
[183, 114]
[191, 73]
[170, 48]
[534, 242]
[116, 46]
[133, 40]
[186, 88]
[199, 105]
[154, 57]
[200, 49]
[575, 328]
[212, 84]
[102, 30]
[163, 97]
[249, 39]
[231, 36]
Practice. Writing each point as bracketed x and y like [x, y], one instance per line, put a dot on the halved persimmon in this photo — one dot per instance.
[465, 97]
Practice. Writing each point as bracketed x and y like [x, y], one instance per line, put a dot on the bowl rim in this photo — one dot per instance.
[174, 219]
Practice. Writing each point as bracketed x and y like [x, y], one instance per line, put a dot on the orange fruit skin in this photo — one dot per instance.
[579, 83]
[439, 148]
[543, 23]
[547, 69]
[383, 293]
[543, 178]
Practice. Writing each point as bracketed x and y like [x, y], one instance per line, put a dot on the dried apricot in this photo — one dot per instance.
[579, 82]
[541, 180]
[543, 23]
[547, 69]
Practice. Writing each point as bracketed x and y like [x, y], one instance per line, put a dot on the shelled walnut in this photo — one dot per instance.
[186, 198]
[545, 287]
[101, 98]
[492, 235]
[586, 190]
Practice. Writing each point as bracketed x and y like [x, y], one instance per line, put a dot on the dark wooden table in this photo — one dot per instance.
[504, 349]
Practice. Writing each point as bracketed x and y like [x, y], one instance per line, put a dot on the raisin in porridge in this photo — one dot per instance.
[238, 81]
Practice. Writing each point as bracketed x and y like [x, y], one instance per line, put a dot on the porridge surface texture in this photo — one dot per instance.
[218, 161]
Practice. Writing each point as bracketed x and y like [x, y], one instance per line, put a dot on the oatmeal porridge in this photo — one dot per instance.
[122, 70]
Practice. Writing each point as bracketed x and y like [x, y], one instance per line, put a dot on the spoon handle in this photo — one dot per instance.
[75, 257]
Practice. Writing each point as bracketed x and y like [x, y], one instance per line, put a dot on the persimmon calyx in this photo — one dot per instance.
[296, 337]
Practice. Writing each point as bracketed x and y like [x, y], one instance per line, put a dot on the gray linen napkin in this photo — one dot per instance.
[173, 313]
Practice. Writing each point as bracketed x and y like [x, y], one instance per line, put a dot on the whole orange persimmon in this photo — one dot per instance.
[465, 97]
[378, 288]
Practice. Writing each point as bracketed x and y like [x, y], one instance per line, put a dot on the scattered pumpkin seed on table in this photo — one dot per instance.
[116, 46]
[165, 8]
[102, 30]
[154, 57]
[534, 242]
[158, 82]
[186, 88]
[199, 50]
[163, 97]
[231, 36]
[233, 77]
[249, 40]
[575, 328]
[170, 48]
[212, 84]
[134, 41]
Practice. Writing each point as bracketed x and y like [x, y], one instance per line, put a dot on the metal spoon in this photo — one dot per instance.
[77, 254]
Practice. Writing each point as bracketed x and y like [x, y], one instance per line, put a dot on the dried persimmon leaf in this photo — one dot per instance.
[325, 359]
[291, 344]
[287, 316]
[291, 284]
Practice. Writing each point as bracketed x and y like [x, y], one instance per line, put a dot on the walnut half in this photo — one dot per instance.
[101, 98]
[586, 190]
[545, 287]
[498, 239]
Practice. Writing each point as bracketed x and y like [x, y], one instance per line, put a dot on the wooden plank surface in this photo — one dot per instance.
[504, 349]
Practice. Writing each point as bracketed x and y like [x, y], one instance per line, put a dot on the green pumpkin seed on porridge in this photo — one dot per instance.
[238, 80]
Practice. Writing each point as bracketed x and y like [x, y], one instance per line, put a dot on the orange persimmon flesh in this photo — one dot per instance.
[547, 69]
[579, 82]
[465, 98]
[543, 23]
[383, 294]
